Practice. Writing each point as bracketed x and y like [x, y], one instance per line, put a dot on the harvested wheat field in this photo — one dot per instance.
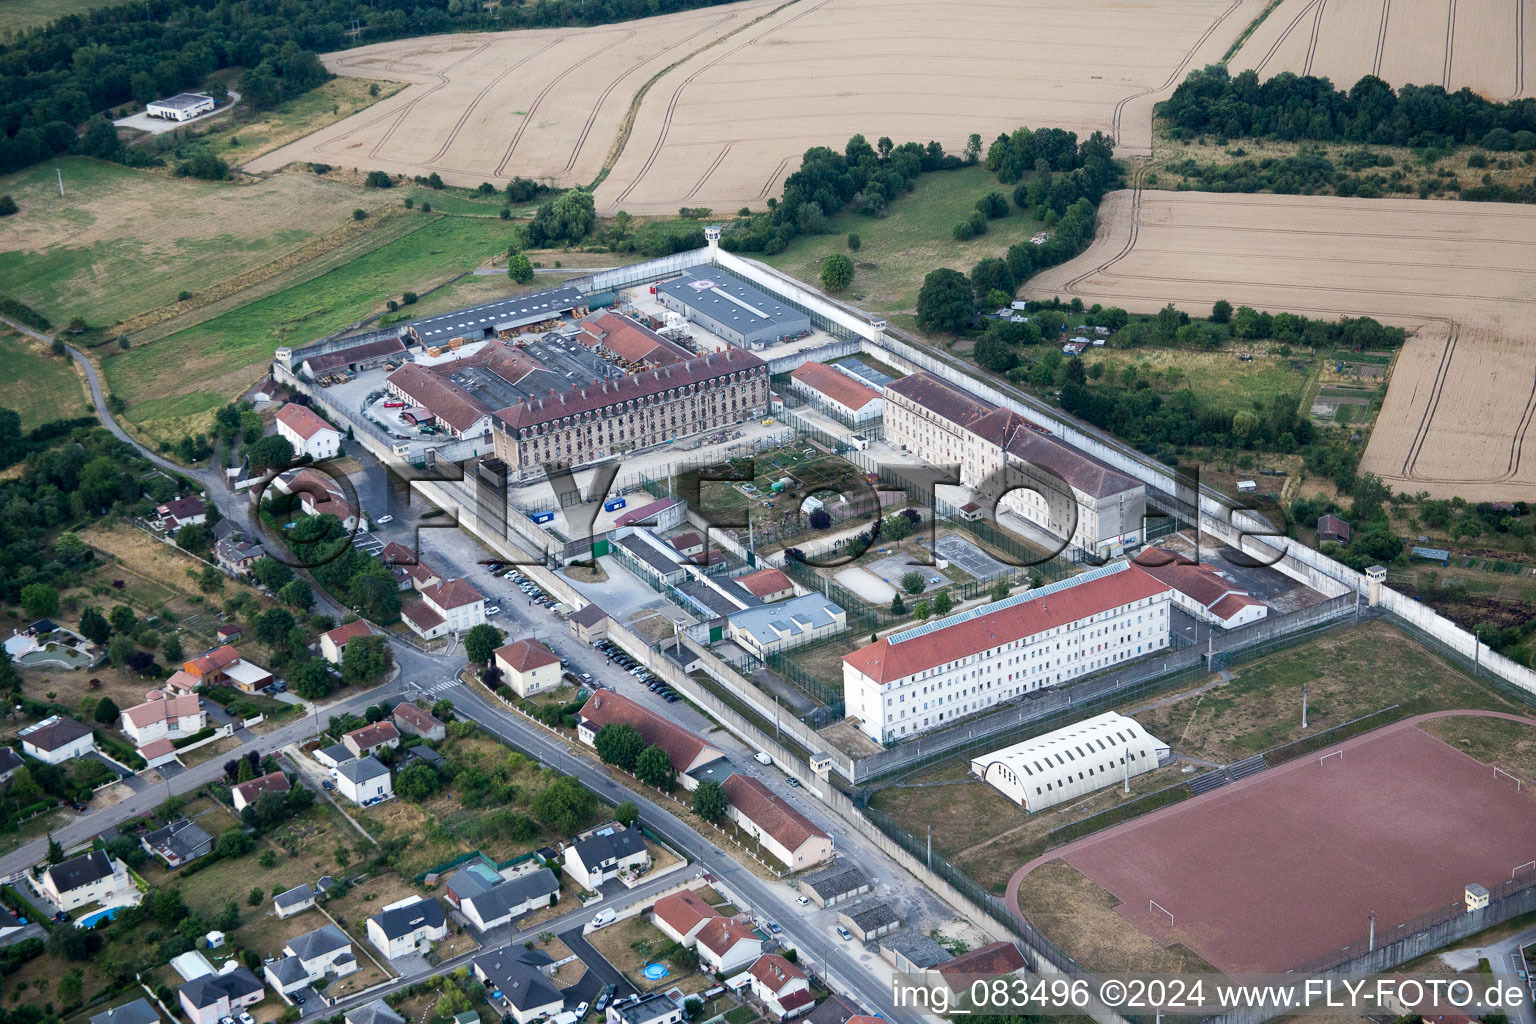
[1482, 45]
[1462, 275]
[755, 85]
[545, 104]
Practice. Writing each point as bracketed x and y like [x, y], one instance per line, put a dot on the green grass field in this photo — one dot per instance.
[121, 242]
[172, 384]
[38, 386]
[16, 15]
[912, 239]
[1217, 378]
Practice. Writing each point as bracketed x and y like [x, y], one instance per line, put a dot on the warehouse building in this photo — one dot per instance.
[732, 309]
[498, 319]
[838, 393]
[1063, 765]
[924, 678]
[1035, 475]
[184, 106]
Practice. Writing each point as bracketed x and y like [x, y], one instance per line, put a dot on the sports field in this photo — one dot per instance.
[1286, 866]
[714, 107]
[1482, 45]
[1463, 395]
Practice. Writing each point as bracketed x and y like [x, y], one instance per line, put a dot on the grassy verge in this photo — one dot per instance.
[39, 386]
[898, 250]
[1494, 741]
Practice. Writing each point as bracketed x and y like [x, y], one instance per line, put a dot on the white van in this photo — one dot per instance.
[762, 758]
[603, 917]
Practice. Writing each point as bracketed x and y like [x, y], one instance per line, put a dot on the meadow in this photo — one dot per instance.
[38, 385]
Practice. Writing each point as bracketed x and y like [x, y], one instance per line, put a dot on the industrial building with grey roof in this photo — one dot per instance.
[732, 309]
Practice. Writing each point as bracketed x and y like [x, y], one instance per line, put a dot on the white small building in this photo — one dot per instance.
[89, 878]
[57, 739]
[1202, 590]
[1075, 760]
[184, 106]
[364, 780]
[596, 859]
[449, 606]
[212, 997]
[295, 901]
[528, 667]
[410, 926]
[848, 399]
[310, 435]
[310, 957]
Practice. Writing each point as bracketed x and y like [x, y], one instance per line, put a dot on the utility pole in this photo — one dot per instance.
[1305, 687]
[1127, 762]
[60, 173]
[930, 847]
[1373, 932]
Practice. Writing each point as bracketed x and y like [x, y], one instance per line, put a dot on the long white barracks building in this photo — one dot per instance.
[924, 678]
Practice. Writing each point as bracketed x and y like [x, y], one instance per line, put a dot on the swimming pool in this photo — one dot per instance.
[92, 920]
[655, 971]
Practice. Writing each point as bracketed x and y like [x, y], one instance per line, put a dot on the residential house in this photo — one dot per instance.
[528, 667]
[310, 957]
[333, 756]
[682, 915]
[412, 719]
[57, 739]
[333, 642]
[232, 549]
[835, 1010]
[163, 718]
[137, 1011]
[181, 683]
[655, 1008]
[223, 666]
[376, 1012]
[1332, 529]
[318, 494]
[372, 738]
[449, 606]
[212, 997]
[781, 986]
[522, 979]
[247, 793]
[409, 926]
[686, 751]
[9, 762]
[177, 843]
[399, 560]
[868, 919]
[89, 878]
[295, 901]
[598, 858]
[158, 752]
[490, 906]
[228, 633]
[364, 781]
[179, 512]
[726, 945]
[768, 584]
[783, 831]
[836, 884]
[310, 435]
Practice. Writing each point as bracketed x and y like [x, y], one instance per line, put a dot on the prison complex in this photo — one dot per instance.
[924, 678]
[1065, 764]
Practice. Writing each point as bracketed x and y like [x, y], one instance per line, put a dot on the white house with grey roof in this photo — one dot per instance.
[295, 901]
[787, 624]
[364, 780]
[177, 843]
[310, 957]
[520, 983]
[655, 1008]
[596, 859]
[487, 906]
[410, 926]
[211, 997]
[91, 877]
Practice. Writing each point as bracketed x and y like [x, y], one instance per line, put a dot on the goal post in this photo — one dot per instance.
[1519, 783]
[1323, 760]
[1154, 905]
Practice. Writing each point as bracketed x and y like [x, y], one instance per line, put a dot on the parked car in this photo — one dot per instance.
[246, 1018]
[802, 901]
[494, 609]
[773, 926]
[328, 785]
[792, 782]
[381, 521]
[845, 933]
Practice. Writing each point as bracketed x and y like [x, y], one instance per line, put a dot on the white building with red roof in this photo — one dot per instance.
[726, 945]
[528, 667]
[781, 986]
[163, 718]
[247, 793]
[768, 583]
[318, 495]
[792, 838]
[310, 435]
[928, 677]
[682, 915]
[839, 393]
[1202, 590]
[685, 750]
[372, 738]
[448, 606]
[333, 642]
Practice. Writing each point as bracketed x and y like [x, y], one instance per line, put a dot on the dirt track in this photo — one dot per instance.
[1483, 45]
[1463, 395]
[725, 126]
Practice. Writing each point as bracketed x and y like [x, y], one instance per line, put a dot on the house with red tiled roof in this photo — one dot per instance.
[371, 738]
[209, 669]
[681, 915]
[309, 434]
[620, 338]
[247, 793]
[410, 718]
[846, 398]
[995, 960]
[685, 750]
[768, 584]
[1202, 589]
[1030, 472]
[726, 945]
[927, 677]
[163, 718]
[318, 494]
[448, 606]
[528, 667]
[334, 641]
[781, 986]
[791, 837]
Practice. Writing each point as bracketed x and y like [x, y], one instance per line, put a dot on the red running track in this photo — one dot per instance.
[1285, 866]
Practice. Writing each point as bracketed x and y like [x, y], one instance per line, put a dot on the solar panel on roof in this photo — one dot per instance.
[1017, 599]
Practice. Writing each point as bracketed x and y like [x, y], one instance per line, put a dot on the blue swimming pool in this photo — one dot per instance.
[92, 920]
[655, 971]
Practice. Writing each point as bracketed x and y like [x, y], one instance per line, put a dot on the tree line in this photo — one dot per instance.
[1289, 106]
[57, 78]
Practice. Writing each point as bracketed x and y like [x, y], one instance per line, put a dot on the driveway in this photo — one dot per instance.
[599, 970]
